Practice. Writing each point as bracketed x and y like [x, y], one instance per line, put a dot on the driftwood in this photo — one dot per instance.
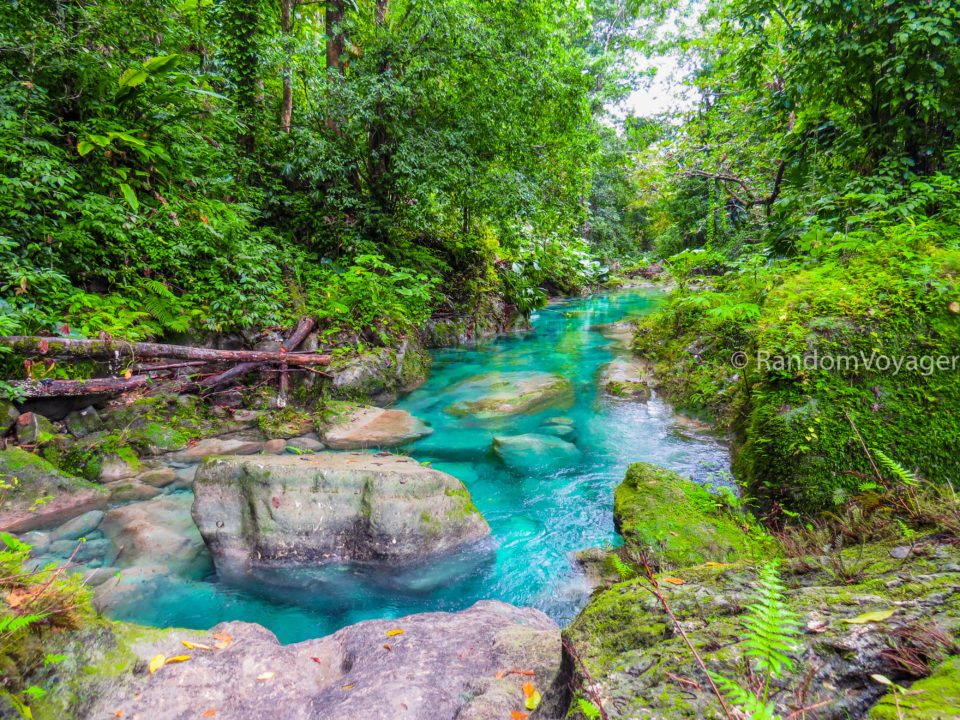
[248, 361]
[92, 349]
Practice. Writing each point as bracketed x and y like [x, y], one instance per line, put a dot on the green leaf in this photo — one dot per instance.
[83, 147]
[130, 196]
[132, 77]
[160, 64]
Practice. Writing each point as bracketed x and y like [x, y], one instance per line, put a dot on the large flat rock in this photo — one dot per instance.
[328, 507]
[373, 427]
[443, 666]
[40, 495]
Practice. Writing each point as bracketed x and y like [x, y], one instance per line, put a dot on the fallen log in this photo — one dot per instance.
[108, 348]
[304, 328]
[77, 388]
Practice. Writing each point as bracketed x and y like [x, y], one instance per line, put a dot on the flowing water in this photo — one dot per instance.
[539, 516]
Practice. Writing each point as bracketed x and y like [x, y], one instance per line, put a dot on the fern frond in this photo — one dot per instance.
[746, 702]
[897, 470]
[771, 625]
[13, 623]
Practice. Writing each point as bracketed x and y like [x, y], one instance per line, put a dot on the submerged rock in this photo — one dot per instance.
[500, 394]
[619, 333]
[623, 378]
[442, 666]
[157, 532]
[41, 495]
[368, 427]
[324, 507]
[676, 521]
[533, 451]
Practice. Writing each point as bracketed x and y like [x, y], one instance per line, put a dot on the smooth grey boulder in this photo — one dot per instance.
[41, 495]
[273, 510]
[497, 395]
[157, 532]
[78, 527]
[372, 427]
[443, 666]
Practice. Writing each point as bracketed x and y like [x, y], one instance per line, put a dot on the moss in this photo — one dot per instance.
[933, 698]
[285, 423]
[677, 521]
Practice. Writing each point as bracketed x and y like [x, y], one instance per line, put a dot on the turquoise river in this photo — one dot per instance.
[539, 516]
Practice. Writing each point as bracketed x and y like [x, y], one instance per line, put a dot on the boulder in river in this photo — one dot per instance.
[674, 520]
[327, 507]
[440, 666]
[41, 495]
[500, 394]
[158, 532]
[532, 452]
[626, 378]
[371, 427]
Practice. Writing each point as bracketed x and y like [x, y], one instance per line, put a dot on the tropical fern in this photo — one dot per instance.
[13, 623]
[771, 625]
[753, 707]
[896, 469]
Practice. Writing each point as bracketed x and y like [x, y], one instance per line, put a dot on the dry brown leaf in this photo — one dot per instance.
[209, 712]
[118, 714]
[387, 647]
[517, 715]
[528, 689]
[346, 687]
[674, 581]
[18, 596]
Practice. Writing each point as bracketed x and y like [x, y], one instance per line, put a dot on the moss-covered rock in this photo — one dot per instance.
[638, 662]
[38, 495]
[931, 698]
[491, 396]
[676, 521]
[378, 373]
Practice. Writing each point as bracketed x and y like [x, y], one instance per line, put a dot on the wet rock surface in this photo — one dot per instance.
[443, 666]
[627, 379]
[534, 451]
[372, 427]
[325, 507]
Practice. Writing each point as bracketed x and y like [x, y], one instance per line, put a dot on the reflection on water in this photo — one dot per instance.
[538, 517]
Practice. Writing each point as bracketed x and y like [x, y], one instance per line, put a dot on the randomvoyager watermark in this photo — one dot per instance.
[874, 361]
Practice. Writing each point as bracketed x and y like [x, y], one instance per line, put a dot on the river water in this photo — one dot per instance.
[539, 514]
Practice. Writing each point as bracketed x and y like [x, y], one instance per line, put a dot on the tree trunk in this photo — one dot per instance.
[109, 348]
[286, 103]
[75, 388]
[334, 30]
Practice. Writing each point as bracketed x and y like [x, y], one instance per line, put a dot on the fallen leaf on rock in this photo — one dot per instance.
[177, 659]
[156, 662]
[712, 563]
[515, 671]
[674, 581]
[317, 660]
[266, 676]
[346, 687]
[870, 617]
[209, 713]
[18, 596]
[395, 632]
[195, 646]
[223, 640]
[387, 647]
[517, 715]
[531, 696]
[118, 714]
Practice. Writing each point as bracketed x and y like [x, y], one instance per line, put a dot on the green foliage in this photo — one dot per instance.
[770, 630]
[895, 469]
